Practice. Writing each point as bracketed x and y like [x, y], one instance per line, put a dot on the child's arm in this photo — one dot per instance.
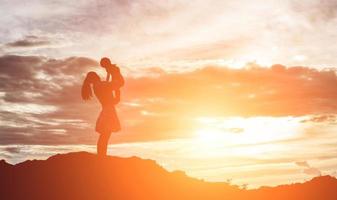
[109, 71]
[108, 75]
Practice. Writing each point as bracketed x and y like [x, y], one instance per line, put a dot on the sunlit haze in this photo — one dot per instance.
[237, 91]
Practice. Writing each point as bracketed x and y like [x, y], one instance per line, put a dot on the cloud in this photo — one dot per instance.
[37, 98]
[134, 32]
[29, 41]
[41, 102]
[13, 150]
[317, 11]
[331, 119]
[255, 91]
[302, 164]
[312, 171]
[308, 169]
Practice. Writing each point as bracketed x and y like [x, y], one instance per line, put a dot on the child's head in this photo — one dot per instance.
[105, 62]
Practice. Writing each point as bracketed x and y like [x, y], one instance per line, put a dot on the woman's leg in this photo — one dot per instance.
[102, 143]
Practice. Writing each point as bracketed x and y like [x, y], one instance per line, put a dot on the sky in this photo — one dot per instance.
[240, 91]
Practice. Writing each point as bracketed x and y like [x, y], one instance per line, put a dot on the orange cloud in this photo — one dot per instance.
[159, 106]
[273, 91]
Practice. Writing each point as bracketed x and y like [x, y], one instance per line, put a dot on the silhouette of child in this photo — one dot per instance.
[114, 72]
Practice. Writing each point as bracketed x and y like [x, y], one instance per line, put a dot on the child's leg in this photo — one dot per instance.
[108, 76]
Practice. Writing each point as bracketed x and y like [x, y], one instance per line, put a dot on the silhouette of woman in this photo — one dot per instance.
[107, 121]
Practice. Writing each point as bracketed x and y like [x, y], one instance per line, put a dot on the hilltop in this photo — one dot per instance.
[82, 175]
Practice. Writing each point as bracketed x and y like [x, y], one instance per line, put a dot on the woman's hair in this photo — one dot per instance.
[91, 78]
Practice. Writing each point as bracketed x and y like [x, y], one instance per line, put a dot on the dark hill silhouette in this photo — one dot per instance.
[85, 176]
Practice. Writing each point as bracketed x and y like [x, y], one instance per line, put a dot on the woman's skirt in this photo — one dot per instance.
[107, 121]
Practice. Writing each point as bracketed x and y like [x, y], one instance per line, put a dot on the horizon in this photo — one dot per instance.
[223, 90]
[84, 155]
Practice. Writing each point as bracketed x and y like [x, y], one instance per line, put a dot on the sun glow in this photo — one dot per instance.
[250, 132]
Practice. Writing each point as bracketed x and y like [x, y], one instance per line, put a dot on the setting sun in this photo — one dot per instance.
[133, 98]
[253, 130]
